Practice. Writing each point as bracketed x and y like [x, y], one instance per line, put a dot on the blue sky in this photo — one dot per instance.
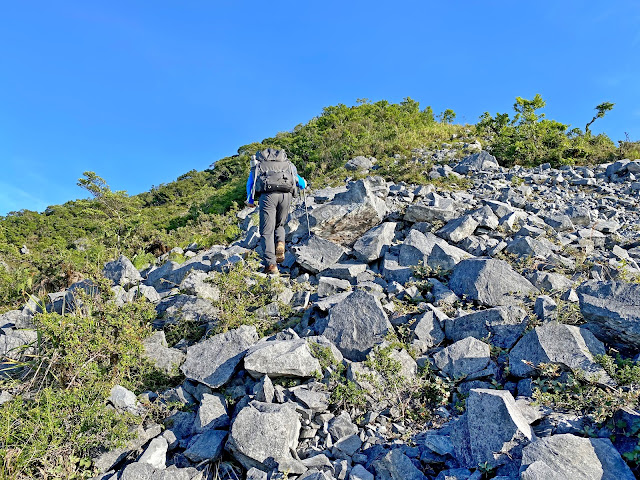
[142, 92]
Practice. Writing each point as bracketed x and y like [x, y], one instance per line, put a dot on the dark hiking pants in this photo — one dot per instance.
[274, 209]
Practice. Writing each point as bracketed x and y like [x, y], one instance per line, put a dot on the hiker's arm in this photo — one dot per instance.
[302, 183]
[250, 200]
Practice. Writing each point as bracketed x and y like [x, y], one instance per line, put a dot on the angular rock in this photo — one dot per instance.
[317, 254]
[458, 229]
[360, 163]
[568, 456]
[567, 345]
[263, 390]
[426, 332]
[263, 435]
[196, 284]
[490, 281]
[285, 358]
[350, 214]
[545, 308]
[13, 345]
[492, 430]
[395, 465]
[356, 324]
[206, 446]
[341, 426]
[187, 308]
[358, 472]
[613, 310]
[481, 161]
[432, 208]
[369, 247]
[550, 282]
[214, 360]
[328, 286]
[124, 400]
[122, 272]
[156, 453]
[163, 357]
[502, 325]
[463, 358]
[212, 413]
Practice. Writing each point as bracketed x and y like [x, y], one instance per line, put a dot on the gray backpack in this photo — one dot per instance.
[273, 172]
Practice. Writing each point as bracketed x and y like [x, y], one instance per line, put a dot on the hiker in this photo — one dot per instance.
[273, 181]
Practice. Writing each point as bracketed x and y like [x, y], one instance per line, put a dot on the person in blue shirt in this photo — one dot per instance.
[273, 186]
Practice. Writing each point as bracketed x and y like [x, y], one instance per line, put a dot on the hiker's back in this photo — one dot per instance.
[274, 172]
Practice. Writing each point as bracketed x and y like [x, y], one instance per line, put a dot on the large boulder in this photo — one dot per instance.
[350, 214]
[459, 229]
[395, 465]
[122, 272]
[613, 310]
[481, 161]
[561, 457]
[281, 358]
[502, 325]
[317, 254]
[262, 436]
[490, 281]
[431, 209]
[356, 324]
[463, 358]
[163, 357]
[429, 250]
[369, 247]
[567, 345]
[214, 360]
[492, 430]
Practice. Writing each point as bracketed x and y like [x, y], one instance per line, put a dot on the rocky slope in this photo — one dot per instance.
[466, 304]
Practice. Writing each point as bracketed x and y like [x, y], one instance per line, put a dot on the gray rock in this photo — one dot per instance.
[358, 472]
[143, 291]
[214, 360]
[328, 286]
[156, 453]
[212, 413]
[125, 400]
[348, 445]
[481, 161]
[613, 310]
[567, 456]
[502, 325]
[138, 471]
[196, 284]
[369, 247]
[433, 208]
[122, 272]
[550, 282]
[163, 357]
[560, 223]
[356, 324]
[263, 390]
[187, 308]
[360, 163]
[546, 308]
[206, 446]
[454, 474]
[13, 344]
[492, 430]
[317, 254]
[490, 281]
[463, 358]
[341, 426]
[350, 214]
[255, 474]
[395, 465]
[263, 435]
[286, 358]
[567, 345]
[20, 319]
[426, 332]
[459, 229]
[523, 247]
[314, 400]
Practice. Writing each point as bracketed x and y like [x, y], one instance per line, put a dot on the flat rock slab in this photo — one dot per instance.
[463, 358]
[317, 254]
[214, 360]
[356, 324]
[613, 308]
[560, 457]
[502, 325]
[490, 281]
[262, 436]
[492, 430]
[567, 345]
[284, 358]
[369, 247]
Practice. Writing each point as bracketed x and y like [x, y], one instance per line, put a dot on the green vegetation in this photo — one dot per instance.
[58, 417]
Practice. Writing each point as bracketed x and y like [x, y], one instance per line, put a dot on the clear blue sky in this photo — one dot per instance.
[142, 92]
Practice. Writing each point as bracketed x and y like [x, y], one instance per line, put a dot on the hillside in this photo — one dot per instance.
[453, 314]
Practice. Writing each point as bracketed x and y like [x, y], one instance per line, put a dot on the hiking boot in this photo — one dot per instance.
[271, 270]
[280, 252]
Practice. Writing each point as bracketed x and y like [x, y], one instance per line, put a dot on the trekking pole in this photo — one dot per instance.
[304, 195]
